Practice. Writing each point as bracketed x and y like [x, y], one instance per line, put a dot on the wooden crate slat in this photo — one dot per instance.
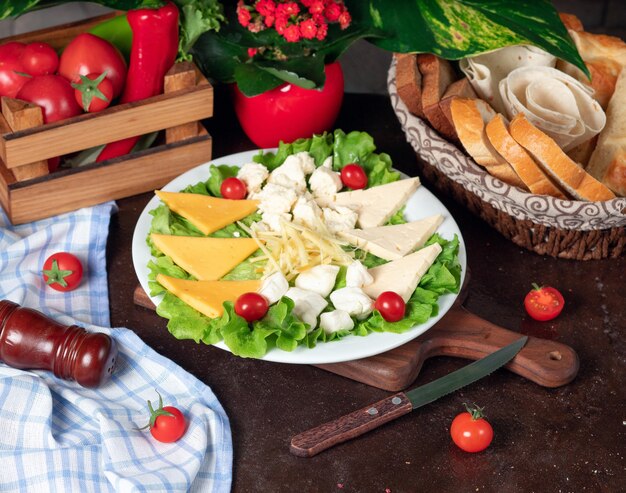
[120, 122]
[149, 170]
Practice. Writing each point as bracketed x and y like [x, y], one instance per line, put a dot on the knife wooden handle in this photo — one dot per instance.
[350, 426]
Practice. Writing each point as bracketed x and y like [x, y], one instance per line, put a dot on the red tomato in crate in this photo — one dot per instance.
[289, 112]
[54, 94]
[39, 59]
[94, 92]
[89, 54]
[11, 69]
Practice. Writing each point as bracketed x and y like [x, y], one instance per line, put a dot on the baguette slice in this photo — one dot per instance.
[409, 82]
[437, 75]
[608, 161]
[524, 165]
[469, 117]
[461, 88]
[571, 21]
[575, 180]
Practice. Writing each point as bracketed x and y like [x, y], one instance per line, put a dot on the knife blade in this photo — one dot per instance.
[315, 440]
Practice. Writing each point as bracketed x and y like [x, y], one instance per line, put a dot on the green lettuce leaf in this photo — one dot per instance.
[281, 321]
[187, 323]
[240, 338]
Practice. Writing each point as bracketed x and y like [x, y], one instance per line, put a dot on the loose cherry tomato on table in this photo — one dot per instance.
[94, 92]
[353, 176]
[89, 54]
[54, 94]
[251, 306]
[39, 59]
[167, 424]
[543, 303]
[470, 431]
[62, 271]
[233, 188]
[391, 306]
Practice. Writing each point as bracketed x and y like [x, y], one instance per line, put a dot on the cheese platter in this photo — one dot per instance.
[406, 202]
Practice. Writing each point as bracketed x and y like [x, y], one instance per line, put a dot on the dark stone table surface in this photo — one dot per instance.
[569, 439]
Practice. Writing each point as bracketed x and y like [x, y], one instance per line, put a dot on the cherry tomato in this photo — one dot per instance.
[39, 59]
[289, 112]
[544, 303]
[54, 163]
[470, 431]
[167, 424]
[251, 306]
[94, 92]
[89, 54]
[62, 271]
[12, 75]
[233, 188]
[353, 176]
[54, 94]
[391, 306]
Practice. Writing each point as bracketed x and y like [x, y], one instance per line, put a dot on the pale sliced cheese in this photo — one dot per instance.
[207, 296]
[374, 205]
[207, 213]
[207, 259]
[403, 275]
[394, 241]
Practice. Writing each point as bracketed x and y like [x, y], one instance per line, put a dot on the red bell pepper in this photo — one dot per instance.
[153, 52]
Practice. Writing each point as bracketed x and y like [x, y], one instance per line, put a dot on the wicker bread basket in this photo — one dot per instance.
[568, 229]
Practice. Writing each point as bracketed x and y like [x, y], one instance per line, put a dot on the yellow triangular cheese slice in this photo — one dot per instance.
[207, 296]
[207, 213]
[207, 259]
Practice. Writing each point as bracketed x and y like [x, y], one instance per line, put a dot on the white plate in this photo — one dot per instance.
[422, 204]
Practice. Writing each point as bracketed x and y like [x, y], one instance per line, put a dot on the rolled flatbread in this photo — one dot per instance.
[487, 70]
[554, 102]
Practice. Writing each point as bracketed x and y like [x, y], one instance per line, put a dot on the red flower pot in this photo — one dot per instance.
[289, 112]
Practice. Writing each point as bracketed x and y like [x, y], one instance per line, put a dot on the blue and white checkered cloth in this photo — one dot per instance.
[56, 436]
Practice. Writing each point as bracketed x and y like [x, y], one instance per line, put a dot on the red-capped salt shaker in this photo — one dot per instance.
[31, 340]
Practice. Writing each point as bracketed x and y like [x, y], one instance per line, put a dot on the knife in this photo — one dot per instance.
[315, 440]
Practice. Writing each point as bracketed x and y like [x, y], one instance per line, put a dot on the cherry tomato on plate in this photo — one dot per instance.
[54, 94]
[543, 302]
[470, 431]
[353, 176]
[39, 59]
[62, 271]
[233, 188]
[94, 92]
[251, 306]
[391, 306]
[167, 424]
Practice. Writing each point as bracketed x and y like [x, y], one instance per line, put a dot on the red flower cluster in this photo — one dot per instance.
[306, 19]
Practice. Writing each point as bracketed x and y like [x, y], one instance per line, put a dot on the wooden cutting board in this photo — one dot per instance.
[461, 334]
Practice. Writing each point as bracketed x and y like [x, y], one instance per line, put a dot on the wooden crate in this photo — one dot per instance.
[28, 192]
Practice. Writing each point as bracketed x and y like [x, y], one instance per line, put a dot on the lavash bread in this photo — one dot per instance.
[469, 117]
[608, 161]
[605, 57]
[409, 82]
[437, 75]
[547, 153]
[526, 168]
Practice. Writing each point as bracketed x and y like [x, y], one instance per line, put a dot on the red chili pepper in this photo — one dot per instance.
[153, 52]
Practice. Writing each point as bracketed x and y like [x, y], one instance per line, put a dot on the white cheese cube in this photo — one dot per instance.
[357, 275]
[307, 305]
[335, 321]
[307, 163]
[306, 212]
[328, 162]
[274, 221]
[352, 300]
[253, 175]
[289, 174]
[276, 199]
[339, 219]
[324, 182]
[274, 287]
[319, 279]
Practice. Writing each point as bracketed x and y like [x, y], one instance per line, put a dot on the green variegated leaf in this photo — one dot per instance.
[455, 29]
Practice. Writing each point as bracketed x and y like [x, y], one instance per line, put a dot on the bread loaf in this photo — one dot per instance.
[570, 21]
[524, 165]
[546, 152]
[409, 82]
[461, 88]
[437, 75]
[469, 117]
[608, 161]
